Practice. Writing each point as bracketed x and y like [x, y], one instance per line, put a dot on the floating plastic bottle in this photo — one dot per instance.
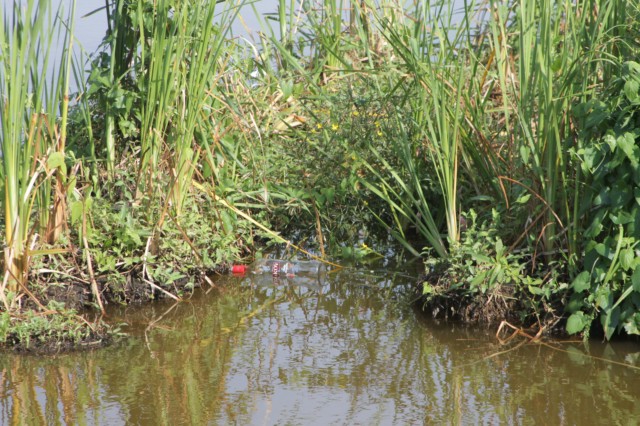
[281, 268]
[308, 282]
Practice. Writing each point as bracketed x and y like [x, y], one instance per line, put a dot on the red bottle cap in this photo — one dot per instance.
[239, 269]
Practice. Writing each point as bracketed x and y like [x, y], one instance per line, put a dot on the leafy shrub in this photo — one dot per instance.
[608, 288]
[320, 161]
[125, 235]
[482, 280]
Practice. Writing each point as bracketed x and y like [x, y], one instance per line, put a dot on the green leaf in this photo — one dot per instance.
[480, 258]
[499, 248]
[575, 303]
[596, 226]
[134, 235]
[71, 184]
[604, 298]
[329, 193]
[631, 90]
[597, 115]
[604, 250]
[622, 217]
[535, 290]
[582, 282]
[478, 280]
[206, 170]
[227, 221]
[577, 323]
[627, 143]
[610, 140]
[636, 194]
[610, 322]
[55, 160]
[524, 153]
[626, 258]
[76, 209]
[632, 325]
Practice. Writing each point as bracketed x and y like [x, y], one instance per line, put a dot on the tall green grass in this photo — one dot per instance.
[160, 65]
[434, 53]
[179, 63]
[121, 40]
[33, 115]
[491, 88]
[563, 54]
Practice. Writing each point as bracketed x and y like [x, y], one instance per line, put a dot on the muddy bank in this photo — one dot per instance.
[442, 295]
[66, 316]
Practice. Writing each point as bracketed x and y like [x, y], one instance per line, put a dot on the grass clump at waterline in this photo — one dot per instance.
[487, 140]
[53, 329]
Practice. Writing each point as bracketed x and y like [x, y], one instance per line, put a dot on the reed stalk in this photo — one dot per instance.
[160, 65]
[550, 70]
[32, 144]
[84, 111]
[179, 65]
[57, 104]
[493, 92]
[205, 44]
[434, 55]
[116, 21]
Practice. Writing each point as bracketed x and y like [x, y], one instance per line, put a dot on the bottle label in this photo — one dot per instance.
[282, 268]
[275, 269]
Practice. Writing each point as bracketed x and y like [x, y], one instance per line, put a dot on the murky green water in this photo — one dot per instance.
[345, 352]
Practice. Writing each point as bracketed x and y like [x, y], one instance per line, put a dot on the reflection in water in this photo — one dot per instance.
[346, 351]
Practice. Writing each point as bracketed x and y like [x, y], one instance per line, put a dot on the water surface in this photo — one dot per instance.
[346, 351]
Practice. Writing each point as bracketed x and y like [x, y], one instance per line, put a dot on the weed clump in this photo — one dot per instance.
[52, 330]
[483, 282]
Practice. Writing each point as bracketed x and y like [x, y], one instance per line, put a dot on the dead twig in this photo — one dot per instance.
[94, 284]
[148, 279]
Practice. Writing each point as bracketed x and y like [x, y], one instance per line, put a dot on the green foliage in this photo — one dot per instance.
[481, 267]
[481, 262]
[58, 329]
[123, 240]
[396, 122]
[608, 288]
[313, 158]
[29, 137]
[428, 120]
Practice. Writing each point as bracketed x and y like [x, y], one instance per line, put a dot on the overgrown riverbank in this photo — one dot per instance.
[499, 142]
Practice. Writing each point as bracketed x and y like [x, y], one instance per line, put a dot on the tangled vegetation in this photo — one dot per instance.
[499, 141]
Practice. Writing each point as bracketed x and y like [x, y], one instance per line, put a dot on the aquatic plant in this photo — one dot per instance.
[33, 120]
[433, 54]
[341, 118]
[608, 286]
